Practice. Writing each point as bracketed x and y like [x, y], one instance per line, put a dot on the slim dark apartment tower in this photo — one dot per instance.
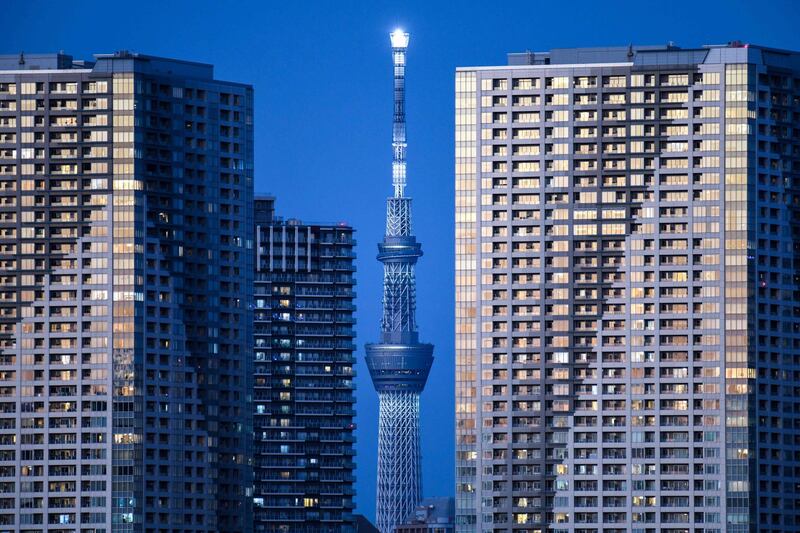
[304, 389]
[126, 252]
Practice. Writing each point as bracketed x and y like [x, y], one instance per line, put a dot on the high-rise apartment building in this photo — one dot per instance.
[125, 321]
[628, 288]
[304, 389]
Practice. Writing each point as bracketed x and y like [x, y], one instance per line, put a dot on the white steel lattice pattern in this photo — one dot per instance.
[399, 298]
[398, 217]
[399, 475]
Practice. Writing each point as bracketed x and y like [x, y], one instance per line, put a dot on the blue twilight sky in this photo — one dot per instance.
[322, 77]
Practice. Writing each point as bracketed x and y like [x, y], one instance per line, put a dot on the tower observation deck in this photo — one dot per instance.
[399, 363]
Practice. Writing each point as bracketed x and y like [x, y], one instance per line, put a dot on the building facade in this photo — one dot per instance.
[304, 376]
[627, 282]
[125, 320]
[399, 363]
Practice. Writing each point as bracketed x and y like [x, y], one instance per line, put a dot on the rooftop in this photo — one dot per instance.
[265, 215]
[653, 55]
[438, 510]
[122, 60]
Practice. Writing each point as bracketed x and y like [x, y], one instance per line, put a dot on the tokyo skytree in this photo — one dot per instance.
[399, 363]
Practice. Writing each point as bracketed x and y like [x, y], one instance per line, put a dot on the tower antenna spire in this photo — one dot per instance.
[399, 364]
[399, 45]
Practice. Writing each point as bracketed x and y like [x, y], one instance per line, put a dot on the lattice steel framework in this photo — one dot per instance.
[399, 472]
[398, 256]
[399, 363]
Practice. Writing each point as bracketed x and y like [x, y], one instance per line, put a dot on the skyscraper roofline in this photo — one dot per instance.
[648, 55]
[122, 60]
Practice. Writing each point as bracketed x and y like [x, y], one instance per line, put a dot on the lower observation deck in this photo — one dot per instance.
[395, 365]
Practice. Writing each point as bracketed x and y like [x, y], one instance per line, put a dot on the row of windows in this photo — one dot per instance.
[613, 132]
[69, 87]
[120, 86]
[609, 99]
[613, 81]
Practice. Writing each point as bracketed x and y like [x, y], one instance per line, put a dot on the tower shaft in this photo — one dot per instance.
[399, 363]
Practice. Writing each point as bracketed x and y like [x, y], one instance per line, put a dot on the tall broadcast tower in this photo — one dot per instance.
[399, 363]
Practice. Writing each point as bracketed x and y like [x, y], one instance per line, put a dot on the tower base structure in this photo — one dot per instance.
[399, 373]
[399, 458]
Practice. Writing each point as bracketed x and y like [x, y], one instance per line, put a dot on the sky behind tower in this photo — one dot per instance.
[323, 114]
